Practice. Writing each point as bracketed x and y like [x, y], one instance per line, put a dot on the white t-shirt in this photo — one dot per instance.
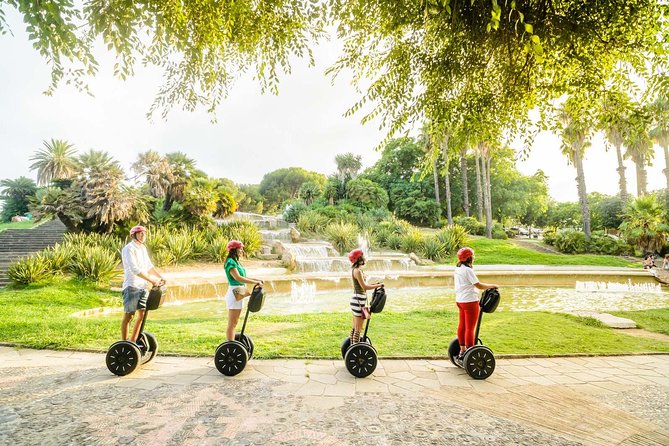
[135, 260]
[465, 291]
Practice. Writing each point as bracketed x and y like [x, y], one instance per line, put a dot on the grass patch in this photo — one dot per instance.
[17, 225]
[651, 320]
[40, 317]
[504, 252]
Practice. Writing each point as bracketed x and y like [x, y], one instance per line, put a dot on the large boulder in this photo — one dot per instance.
[294, 235]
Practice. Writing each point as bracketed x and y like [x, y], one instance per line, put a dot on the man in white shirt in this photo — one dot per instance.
[139, 275]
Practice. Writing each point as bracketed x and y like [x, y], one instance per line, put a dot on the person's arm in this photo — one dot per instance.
[235, 275]
[361, 280]
[155, 272]
[130, 261]
[485, 286]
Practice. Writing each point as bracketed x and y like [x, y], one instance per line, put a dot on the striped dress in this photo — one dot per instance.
[359, 298]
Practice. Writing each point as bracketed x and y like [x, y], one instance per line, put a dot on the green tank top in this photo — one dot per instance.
[229, 264]
[357, 288]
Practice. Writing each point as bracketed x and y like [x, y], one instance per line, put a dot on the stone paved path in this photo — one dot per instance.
[69, 398]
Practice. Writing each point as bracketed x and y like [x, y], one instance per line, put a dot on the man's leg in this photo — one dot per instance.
[127, 317]
[138, 324]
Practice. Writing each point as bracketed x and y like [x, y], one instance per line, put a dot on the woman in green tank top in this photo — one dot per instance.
[237, 280]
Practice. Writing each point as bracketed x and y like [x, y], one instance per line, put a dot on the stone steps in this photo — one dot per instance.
[17, 243]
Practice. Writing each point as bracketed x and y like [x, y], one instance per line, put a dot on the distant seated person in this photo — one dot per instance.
[649, 261]
[665, 262]
[19, 218]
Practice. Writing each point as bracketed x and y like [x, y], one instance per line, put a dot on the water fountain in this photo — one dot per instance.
[617, 287]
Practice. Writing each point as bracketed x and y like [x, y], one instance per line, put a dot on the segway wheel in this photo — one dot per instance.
[123, 358]
[361, 360]
[479, 362]
[248, 343]
[453, 351]
[347, 343]
[152, 344]
[231, 358]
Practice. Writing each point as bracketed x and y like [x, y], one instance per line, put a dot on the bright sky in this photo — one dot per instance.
[303, 126]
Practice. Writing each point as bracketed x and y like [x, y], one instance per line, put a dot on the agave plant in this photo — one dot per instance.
[94, 263]
[343, 236]
[27, 270]
[433, 248]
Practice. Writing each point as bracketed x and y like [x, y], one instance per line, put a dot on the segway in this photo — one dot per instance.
[231, 356]
[479, 361]
[361, 358]
[123, 357]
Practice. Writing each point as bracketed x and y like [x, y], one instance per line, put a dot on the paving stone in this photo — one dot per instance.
[185, 401]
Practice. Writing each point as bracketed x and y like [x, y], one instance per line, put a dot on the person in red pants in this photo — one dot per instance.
[467, 299]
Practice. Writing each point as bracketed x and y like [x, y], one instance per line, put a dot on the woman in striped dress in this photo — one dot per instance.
[360, 287]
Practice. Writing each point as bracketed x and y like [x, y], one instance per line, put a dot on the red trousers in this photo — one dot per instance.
[469, 314]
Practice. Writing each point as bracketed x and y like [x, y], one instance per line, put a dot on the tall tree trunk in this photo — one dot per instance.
[622, 182]
[485, 176]
[582, 193]
[488, 200]
[665, 147]
[447, 182]
[465, 185]
[479, 192]
[436, 182]
[641, 178]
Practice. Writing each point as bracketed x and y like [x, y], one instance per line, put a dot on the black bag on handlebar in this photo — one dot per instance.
[257, 299]
[378, 300]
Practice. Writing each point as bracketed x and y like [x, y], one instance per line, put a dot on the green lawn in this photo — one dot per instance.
[17, 225]
[504, 252]
[656, 320]
[40, 316]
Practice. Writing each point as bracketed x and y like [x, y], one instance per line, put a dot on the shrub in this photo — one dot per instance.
[311, 222]
[452, 237]
[293, 212]
[249, 235]
[472, 225]
[95, 263]
[180, 246]
[343, 236]
[570, 241]
[394, 241]
[603, 244]
[107, 241]
[59, 257]
[549, 235]
[217, 250]
[498, 232]
[433, 248]
[29, 270]
[412, 241]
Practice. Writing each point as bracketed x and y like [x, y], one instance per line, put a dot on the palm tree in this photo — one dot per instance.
[465, 184]
[644, 224]
[156, 171]
[576, 133]
[54, 162]
[639, 145]
[183, 169]
[660, 133]
[485, 156]
[348, 165]
[447, 179]
[479, 189]
[96, 160]
[16, 195]
[612, 120]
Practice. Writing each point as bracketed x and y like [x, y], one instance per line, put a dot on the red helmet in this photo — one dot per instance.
[136, 229]
[465, 253]
[234, 244]
[355, 255]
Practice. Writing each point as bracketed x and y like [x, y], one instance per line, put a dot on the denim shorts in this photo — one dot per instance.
[134, 299]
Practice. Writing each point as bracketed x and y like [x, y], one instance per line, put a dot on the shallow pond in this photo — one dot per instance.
[407, 299]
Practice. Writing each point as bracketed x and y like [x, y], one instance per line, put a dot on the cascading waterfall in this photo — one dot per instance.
[618, 287]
